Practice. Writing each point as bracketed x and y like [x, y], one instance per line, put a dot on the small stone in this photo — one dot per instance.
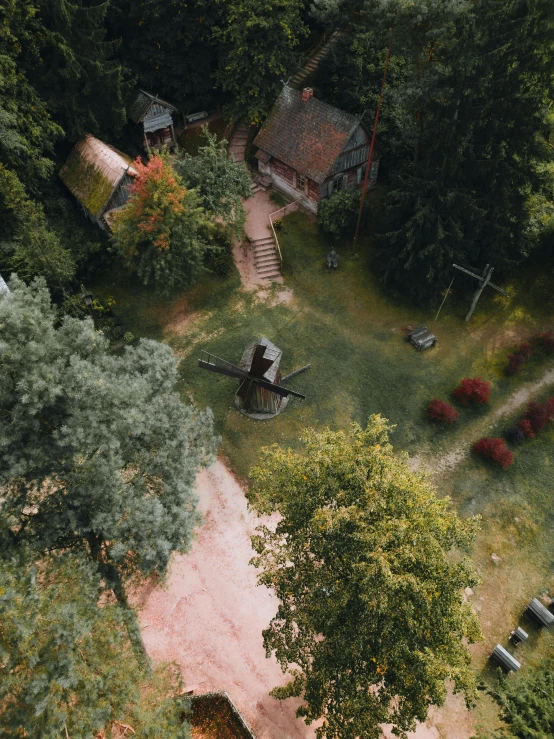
[496, 559]
[517, 519]
[468, 591]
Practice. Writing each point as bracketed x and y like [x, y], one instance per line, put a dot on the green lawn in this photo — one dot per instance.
[354, 336]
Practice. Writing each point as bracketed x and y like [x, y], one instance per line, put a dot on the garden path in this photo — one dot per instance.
[451, 459]
[209, 619]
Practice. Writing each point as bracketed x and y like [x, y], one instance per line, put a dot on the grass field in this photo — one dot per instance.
[354, 337]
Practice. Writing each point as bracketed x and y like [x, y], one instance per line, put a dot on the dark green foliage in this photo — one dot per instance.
[218, 180]
[67, 666]
[98, 450]
[168, 45]
[463, 195]
[219, 258]
[256, 51]
[527, 704]
[77, 74]
[338, 214]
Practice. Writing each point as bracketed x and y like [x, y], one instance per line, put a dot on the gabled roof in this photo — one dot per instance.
[307, 135]
[141, 102]
[93, 171]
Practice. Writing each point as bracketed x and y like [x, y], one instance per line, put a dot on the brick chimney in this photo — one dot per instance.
[307, 93]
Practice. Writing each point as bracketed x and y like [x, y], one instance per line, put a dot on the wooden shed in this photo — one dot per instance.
[154, 116]
[99, 176]
[310, 149]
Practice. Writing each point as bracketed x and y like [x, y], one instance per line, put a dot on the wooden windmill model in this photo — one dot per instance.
[260, 394]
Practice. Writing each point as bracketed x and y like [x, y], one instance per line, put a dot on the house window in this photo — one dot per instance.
[300, 182]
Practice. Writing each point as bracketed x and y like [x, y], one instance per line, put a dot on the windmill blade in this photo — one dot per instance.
[245, 385]
[278, 389]
[221, 366]
[260, 363]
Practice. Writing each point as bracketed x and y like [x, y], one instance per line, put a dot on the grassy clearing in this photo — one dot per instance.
[353, 335]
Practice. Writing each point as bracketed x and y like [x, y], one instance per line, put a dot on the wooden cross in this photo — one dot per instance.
[484, 280]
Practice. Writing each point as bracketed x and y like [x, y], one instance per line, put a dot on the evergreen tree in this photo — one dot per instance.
[162, 232]
[27, 245]
[218, 180]
[371, 620]
[27, 132]
[98, 451]
[464, 195]
[256, 52]
[67, 666]
[78, 75]
[168, 45]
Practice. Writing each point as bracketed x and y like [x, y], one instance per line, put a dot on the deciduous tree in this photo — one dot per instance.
[98, 451]
[256, 50]
[161, 231]
[218, 180]
[371, 621]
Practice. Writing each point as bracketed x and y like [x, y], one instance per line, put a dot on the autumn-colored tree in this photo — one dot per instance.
[161, 231]
[371, 621]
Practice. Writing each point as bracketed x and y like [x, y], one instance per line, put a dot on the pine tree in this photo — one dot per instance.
[78, 74]
[168, 45]
[464, 195]
[98, 451]
[371, 620]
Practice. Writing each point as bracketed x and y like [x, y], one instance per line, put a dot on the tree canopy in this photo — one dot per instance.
[218, 180]
[99, 452]
[67, 664]
[371, 620]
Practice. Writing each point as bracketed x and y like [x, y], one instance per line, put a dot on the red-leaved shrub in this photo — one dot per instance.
[522, 354]
[473, 391]
[526, 428]
[494, 449]
[441, 411]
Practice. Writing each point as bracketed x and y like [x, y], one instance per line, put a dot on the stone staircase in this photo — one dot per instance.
[266, 259]
[260, 184]
[238, 141]
[313, 63]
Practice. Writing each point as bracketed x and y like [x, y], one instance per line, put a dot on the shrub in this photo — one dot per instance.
[473, 391]
[516, 360]
[441, 411]
[339, 213]
[514, 435]
[495, 450]
[545, 341]
[537, 415]
[526, 429]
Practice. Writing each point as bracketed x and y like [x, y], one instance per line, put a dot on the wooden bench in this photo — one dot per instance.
[539, 613]
[503, 658]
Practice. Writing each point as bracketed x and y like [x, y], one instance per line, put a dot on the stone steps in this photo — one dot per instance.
[312, 64]
[266, 259]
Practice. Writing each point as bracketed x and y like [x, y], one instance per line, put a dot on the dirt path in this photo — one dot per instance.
[451, 459]
[209, 617]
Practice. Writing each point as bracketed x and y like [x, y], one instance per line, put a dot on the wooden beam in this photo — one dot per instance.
[477, 294]
[480, 278]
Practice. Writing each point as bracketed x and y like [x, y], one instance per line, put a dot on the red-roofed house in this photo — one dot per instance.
[310, 149]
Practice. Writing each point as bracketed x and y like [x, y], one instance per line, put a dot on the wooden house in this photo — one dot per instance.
[99, 176]
[310, 149]
[155, 118]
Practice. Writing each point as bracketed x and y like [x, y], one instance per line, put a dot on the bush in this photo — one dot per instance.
[526, 429]
[545, 341]
[219, 257]
[339, 213]
[473, 391]
[495, 450]
[516, 360]
[441, 411]
[514, 435]
[536, 418]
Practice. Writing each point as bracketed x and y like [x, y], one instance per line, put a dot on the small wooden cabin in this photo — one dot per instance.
[155, 118]
[99, 176]
[310, 149]
[262, 401]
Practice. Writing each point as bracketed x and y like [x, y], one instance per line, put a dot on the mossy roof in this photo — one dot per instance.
[93, 171]
[141, 102]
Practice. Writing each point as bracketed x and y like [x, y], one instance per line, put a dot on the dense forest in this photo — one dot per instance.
[465, 134]
[99, 451]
